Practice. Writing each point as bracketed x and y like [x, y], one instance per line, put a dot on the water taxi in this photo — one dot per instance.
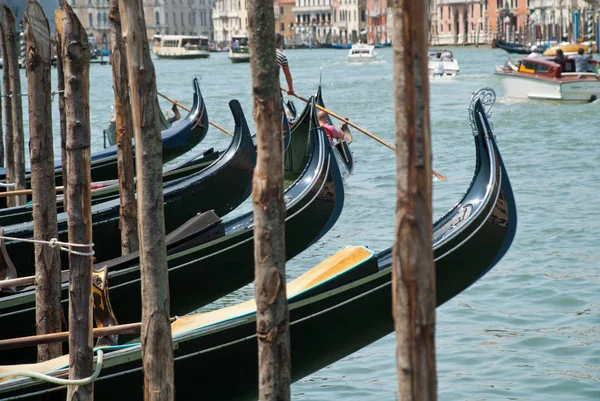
[543, 79]
[181, 46]
[441, 63]
[361, 52]
[238, 51]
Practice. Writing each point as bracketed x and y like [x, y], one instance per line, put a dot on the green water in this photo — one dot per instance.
[528, 330]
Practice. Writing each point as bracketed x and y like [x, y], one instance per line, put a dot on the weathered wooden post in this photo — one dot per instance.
[124, 132]
[1, 91]
[272, 317]
[76, 66]
[58, 15]
[7, 110]
[413, 276]
[47, 259]
[18, 145]
[157, 346]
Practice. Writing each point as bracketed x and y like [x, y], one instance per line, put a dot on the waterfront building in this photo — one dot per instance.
[313, 21]
[352, 20]
[458, 22]
[93, 15]
[230, 17]
[285, 20]
[188, 17]
[379, 12]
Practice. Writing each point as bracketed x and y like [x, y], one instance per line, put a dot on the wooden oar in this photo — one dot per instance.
[130, 328]
[331, 113]
[95, 185]
[176, 103]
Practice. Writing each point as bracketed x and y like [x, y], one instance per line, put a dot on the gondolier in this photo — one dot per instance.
[283, 63]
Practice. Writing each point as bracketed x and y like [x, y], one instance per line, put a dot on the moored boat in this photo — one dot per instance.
[177, 140]
[181, 46]
[442, 63]
[347, 295]
[543, 79]
[516, 48]
[184, 198]
[570, 49]
[361, 52]
[218, 258]
[239, 52]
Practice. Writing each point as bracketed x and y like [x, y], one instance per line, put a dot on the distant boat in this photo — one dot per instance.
[239, 51]
[341, 45]
[570, 48]
[361, 52]
[441, 63]
[516, 48]
[542, 79]
[181, 46]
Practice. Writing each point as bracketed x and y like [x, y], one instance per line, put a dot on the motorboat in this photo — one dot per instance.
[361, 52]
[181, 46]
[442, 63]
[239, 51]
[543, 79]
[570, 48]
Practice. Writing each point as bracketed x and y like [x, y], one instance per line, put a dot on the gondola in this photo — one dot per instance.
[208, 258]
[515, 48]
[348, 296]
[184, 198]
[342, 149]
[177, 140]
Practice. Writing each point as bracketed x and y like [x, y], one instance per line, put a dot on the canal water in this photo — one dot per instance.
[529, 329]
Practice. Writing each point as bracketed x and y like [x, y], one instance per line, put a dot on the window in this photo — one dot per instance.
[174, 17]
[281, 10]
[157, 18]
[182, 22]
[282, 27]
[91, 19]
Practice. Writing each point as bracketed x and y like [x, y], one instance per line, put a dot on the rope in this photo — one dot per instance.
[56, 380]
[53, 243]
[54, 92]
[7, 185]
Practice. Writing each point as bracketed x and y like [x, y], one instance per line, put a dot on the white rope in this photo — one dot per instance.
[54, 243]
[7, 184]
[56, 380]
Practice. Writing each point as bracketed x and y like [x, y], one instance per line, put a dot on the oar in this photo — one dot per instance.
[176, 103]
[331, 113]
[95, 185]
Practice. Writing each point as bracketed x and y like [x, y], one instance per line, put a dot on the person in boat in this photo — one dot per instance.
[283, 63]
[446, 54]
[333, 133]
[176, 115]
[535, 52]
[581, 61]
[560, 58]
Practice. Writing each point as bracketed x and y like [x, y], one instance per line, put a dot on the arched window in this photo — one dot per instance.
[99, 17]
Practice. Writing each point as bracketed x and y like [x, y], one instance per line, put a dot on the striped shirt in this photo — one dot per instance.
[281, 58]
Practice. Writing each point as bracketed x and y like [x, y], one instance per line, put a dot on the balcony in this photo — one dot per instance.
[533, 4]
[311, 9]
[342, 24]
[374, 13]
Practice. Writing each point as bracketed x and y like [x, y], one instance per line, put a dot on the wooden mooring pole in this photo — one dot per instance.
[76, 65]
[272, 316]
[157, 345]
[413, 275]
[58, 15]
[18, 137]
[47, 259]
[6, 109]
[124, 133]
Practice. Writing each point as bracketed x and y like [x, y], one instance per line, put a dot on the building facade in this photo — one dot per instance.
[285, 20]
[230, 17]
[314, 23]
[352, 20]
[188, 17]
[458, 22]
[378, 14]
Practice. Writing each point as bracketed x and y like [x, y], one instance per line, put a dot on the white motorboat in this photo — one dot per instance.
[181, 46]
[442, 63]
[361, 52]
[543, 79]
[238, 51]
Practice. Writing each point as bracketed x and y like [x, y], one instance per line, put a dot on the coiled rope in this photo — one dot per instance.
[56, 380]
